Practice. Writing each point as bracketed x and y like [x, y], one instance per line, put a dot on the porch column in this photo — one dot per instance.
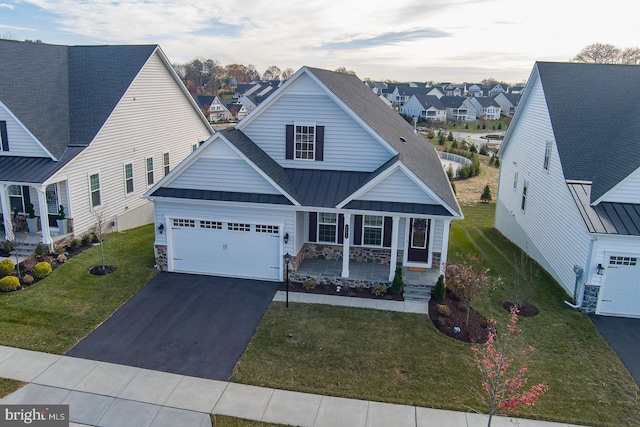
[394, 247]
[44, 216]
[345, 245]
[6, 212]
[445, 244]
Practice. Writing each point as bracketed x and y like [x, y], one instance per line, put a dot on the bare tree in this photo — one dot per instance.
[344, 70]
[598, 53]
[252, 73]
[18, 239]
[524, 277]
[630, 56]
[287, 73]
[101, 227]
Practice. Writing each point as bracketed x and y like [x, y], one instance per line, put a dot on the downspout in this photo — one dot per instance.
[578, 270]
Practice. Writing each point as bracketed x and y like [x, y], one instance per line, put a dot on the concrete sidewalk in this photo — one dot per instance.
[107, 394]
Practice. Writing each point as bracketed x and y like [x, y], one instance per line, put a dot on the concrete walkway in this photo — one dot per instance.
[107, 394]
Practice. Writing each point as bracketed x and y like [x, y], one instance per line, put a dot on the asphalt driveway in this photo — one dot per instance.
[182, 323]
[623, 335]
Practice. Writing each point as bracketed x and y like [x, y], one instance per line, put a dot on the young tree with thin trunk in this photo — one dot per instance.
[466, 280]
[502, 362]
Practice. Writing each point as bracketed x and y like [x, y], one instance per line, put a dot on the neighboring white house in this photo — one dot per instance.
[321, 169]
[427, 107]
[459, 108]
[568, 192]
[217, 109]
[486, 107]
[508, 103]
[80, 129]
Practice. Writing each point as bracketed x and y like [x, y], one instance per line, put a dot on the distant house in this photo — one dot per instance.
[426, 107]
[322, 171]
[486, 107]
[459, 108]
[473, 89]
[449, 89]
[495, 89]
[568, 192]
[237, 110]
[213, 104]
[508, 103]
[86, 136]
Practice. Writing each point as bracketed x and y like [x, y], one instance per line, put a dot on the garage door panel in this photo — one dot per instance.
[620, 294]
[226, 249]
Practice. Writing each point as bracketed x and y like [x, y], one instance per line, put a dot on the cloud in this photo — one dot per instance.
[390, 38]
[7, 6]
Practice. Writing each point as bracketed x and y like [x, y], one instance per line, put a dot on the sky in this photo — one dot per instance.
[404, 40]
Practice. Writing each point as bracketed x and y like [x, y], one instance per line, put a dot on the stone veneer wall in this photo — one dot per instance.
[356, 253]
[435, 259]
[161, 258]
[590, 299]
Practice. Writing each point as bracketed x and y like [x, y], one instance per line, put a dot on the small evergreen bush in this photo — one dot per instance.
[40, 250]
[27, 279]
[9, 283]
[486, 194]
[398, 284]
[6, 267]
[440, 289]
[42, 270]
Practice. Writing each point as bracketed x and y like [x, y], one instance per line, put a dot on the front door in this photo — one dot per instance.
[52, 204]
[418, 240]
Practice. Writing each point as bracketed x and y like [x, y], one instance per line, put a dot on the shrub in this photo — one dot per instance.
[9, 283]
[6, 267]
[485, 197]
[27, 279]
[450, 137]
[398, 284]
[310, 284]
[440, 289]
[86, 239]
[431, 134]
[444, 310]
[40, 250]
[497, 162]
[7, 246]
[42, 270]
[378, 289]
[483, 150]
[73, 244]
[61, 258]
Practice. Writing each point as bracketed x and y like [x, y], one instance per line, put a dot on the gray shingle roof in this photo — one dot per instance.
[452, 101]
[487, 101]
[416, 153]
[64, 94]
[595, 114]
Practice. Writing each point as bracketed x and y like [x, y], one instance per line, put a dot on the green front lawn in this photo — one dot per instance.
[402, 358]
[55, 313]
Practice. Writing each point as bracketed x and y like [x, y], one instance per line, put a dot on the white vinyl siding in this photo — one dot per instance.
[21, 142]
[398, 187]
[552, 230]
[129, 134]
[220, 168]
[344, 138]
[626, 191]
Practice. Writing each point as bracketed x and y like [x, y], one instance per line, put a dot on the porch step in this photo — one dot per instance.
[417, 293]
[25, 249]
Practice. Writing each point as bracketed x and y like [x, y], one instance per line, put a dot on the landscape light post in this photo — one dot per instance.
[287, 258]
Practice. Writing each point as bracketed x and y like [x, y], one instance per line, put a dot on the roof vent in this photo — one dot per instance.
[403, 139]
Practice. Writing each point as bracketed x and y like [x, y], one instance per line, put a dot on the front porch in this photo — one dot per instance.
[29, 242]
[418, 284]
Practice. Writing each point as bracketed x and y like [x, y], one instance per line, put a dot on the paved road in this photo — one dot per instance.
[623, 335]
[184, 324]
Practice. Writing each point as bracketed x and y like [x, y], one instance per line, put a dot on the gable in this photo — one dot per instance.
[220, 168]
[398, 187]
[347, 144]
[16, 140]
[626, 191]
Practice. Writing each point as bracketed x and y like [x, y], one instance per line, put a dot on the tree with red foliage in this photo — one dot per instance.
[466, 279]
[503, 379]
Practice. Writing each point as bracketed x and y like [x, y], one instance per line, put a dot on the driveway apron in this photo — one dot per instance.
[182, 323]
[623, 335]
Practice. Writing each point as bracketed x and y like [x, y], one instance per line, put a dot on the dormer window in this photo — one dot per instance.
[4, 139]
[305, 141]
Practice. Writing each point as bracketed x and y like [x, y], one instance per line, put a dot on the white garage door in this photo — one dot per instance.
[225, 248]
[620, 294]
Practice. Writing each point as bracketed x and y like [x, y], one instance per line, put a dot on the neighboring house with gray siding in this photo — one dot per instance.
[90, 128]
[322, 169]
[568, 192]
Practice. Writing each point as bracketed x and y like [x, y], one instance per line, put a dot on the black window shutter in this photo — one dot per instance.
[319, 143]
[388, 226]
[313, 226]
[26, 197]
[357, 229]
[340, 228]
[289, 146]
[3, 133]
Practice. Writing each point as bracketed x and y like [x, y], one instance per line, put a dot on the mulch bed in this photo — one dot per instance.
[345, 291]
[526, 310]
[102, 270]
[475, 332]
